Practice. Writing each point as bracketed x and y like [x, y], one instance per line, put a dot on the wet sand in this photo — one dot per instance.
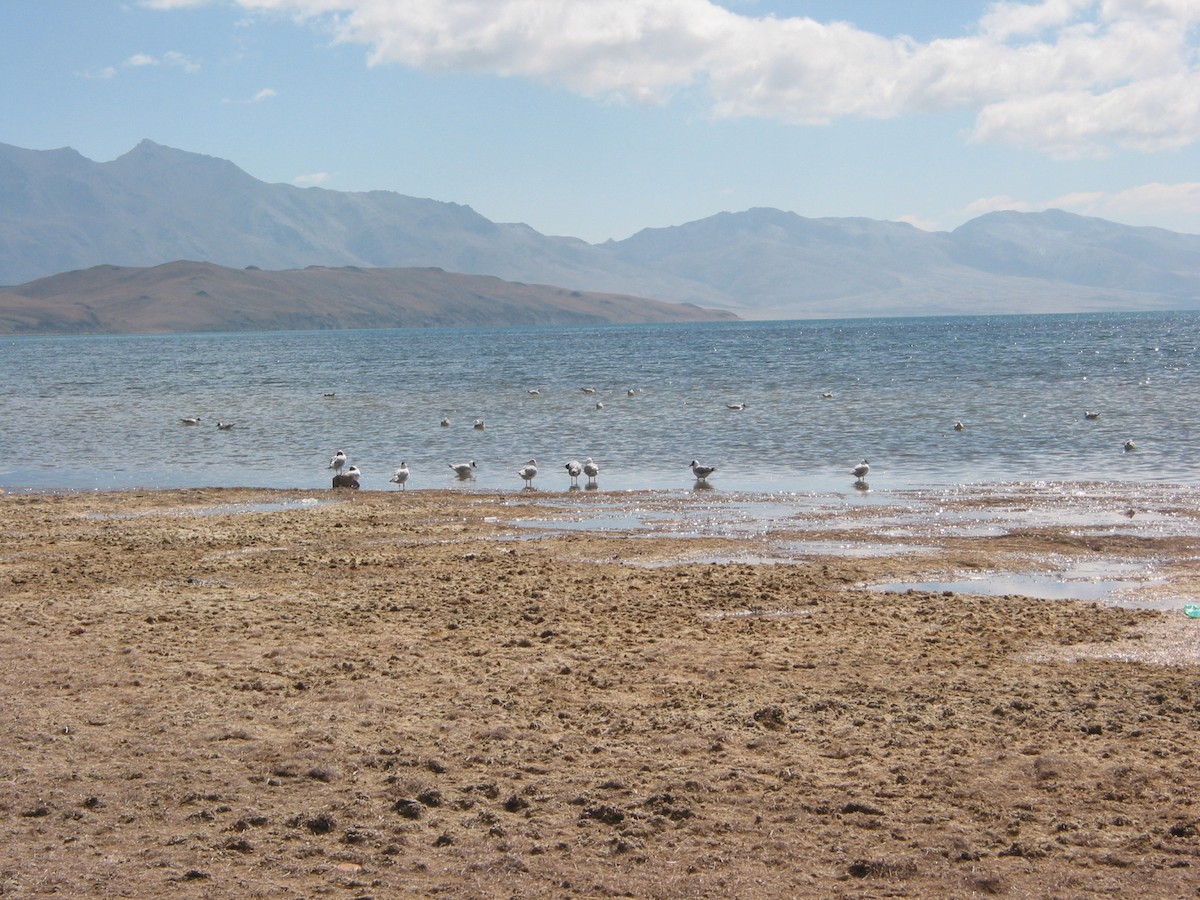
[243, 693]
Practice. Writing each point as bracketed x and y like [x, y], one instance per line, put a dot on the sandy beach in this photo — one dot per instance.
[261, 693]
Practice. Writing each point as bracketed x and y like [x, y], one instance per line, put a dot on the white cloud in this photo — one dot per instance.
[1067, 77]
[312, 179]
[265, 94]
[172, 58]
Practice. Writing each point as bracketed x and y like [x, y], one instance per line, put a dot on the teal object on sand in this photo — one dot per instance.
[1192, 610]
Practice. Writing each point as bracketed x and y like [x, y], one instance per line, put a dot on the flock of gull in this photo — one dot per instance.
[347, 476]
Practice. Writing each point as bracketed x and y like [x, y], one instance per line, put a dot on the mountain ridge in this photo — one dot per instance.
[60, 212]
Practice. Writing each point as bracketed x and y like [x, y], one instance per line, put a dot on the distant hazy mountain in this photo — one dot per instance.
[194, 296]
[62, 212]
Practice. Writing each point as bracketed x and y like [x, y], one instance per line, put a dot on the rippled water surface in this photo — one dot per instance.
[102, 412]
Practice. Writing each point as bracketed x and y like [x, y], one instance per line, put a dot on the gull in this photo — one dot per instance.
[445, 422]
[737, 407]
[701, 472]
[574, 469]
[826, 395]
[533, 392]
[631, 392]
[591, 470]
[339, 460]
[329, 395]
[1130, 446]
[463, 470]
[528, 471]
[1088, 414]
[959, 426]
[401, 475]
[599, 405]
[353, 473]
[860, 471]
[479, 424]
[225, 426]
[190, 421]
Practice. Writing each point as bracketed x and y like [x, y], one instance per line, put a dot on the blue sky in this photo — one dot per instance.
[597, 118]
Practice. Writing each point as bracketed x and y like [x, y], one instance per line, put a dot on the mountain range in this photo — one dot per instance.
[61, 212]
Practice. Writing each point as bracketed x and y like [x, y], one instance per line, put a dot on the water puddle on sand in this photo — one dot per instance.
[1109, 581]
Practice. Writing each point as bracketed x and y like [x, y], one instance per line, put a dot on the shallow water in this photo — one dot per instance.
[104, 412]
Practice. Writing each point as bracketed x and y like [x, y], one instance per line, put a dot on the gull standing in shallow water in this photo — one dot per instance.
[591, 470]
[860, 471]
[528, 472]
[401, 475]
[574, 469]
[701, 472]
[463, 470]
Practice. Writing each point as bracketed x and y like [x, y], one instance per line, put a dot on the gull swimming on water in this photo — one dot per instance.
[959, 426]
[574, 469]
[528, 472]
[860, 471]
[225, 426]
[445, 422]
[1130, 446]
[533, 392]
[463, 470]
[479, 424]
[339, 460]
[1088, 414]
[737, 407]
[401, 475]
[190, 421]
[591, 470]
[701, 472]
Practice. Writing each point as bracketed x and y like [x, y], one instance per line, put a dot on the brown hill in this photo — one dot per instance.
[194, 296]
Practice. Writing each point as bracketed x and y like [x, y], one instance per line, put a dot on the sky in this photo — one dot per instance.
[598, 118]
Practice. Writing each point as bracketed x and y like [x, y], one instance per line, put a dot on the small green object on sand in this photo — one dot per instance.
[1192, 610]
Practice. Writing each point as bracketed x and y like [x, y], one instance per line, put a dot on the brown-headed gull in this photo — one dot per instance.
[400, 476]
[591, 470]
[463, 470]
[528, 472]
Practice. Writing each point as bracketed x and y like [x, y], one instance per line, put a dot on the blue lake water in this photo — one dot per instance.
[104, 412]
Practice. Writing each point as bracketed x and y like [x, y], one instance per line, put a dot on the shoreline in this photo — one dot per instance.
[404, 692]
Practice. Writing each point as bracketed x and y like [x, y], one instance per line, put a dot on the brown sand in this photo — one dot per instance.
[402, 694]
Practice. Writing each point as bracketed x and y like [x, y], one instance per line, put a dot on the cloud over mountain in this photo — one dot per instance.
[1070, 78]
